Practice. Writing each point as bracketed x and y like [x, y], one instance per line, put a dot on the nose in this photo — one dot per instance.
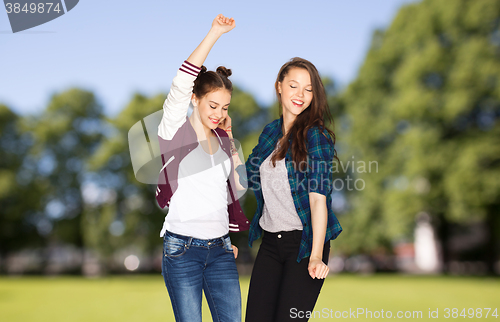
[300, 93]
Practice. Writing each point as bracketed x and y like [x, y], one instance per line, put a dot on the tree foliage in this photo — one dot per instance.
[425, 105]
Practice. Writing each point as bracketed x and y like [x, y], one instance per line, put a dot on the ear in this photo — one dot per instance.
[279, 87]
[194, 100]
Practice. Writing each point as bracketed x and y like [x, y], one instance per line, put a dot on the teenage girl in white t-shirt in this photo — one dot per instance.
[198, 255]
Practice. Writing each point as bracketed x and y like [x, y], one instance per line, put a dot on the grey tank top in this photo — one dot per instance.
[279, 213]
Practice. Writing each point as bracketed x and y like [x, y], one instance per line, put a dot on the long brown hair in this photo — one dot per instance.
[314, 114]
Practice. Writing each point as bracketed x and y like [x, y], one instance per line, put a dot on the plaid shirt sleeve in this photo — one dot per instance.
[320, 158]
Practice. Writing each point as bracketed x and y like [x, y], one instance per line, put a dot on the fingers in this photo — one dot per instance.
[323, 271]
[225, 20]
[221, 18]
[223, 122]
[318, 270]
[235, 251]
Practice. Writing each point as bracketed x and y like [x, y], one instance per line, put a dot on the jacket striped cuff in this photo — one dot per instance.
[190, 69]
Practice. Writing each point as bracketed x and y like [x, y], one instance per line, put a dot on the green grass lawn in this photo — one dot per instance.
[145, 298]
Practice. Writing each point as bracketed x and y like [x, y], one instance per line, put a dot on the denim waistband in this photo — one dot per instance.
[191, 241]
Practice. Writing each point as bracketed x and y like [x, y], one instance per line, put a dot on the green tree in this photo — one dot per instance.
[128, 214]
[64, 136]
[20, 193]
[425, 106]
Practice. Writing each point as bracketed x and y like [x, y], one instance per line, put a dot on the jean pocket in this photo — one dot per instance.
[173, 247]
[227, 245]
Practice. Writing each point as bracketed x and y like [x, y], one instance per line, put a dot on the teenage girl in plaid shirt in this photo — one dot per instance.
[290, 173]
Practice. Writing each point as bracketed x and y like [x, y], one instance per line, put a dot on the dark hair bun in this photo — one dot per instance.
[224, 71]
[209, 81]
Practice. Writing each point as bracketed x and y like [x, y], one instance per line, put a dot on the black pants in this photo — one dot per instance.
[280, 287]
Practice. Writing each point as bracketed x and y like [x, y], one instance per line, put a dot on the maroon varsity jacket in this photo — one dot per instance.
[172, 153]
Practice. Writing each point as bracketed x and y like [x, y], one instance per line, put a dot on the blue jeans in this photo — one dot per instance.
[191, 265]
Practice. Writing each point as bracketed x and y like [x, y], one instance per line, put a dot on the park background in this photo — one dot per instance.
[413, 86]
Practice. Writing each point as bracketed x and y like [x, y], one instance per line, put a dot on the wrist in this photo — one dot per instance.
[215, 32]
[315, 258]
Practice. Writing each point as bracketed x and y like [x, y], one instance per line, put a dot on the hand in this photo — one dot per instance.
[223, 24]
[317, 269]
[235, 251]
[225, 123]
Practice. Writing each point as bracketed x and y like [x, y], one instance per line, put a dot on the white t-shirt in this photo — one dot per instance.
[198, 208]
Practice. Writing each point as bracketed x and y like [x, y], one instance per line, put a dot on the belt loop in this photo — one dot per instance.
[189, 242]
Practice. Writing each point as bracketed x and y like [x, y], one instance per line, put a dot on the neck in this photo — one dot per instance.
[201, 130]
[287, 121]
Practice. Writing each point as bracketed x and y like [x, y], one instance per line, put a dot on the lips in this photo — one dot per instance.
[214, 121]
[297, 103]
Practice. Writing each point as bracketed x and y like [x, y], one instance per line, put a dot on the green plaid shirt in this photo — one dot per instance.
[318, 178]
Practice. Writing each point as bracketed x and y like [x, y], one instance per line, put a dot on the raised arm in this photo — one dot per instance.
[176, 105]
[220, 25]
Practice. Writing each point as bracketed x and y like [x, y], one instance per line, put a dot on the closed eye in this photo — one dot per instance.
[214, 107]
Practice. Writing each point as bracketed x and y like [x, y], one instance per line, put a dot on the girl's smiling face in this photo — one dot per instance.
[295, 91]
[213, 107]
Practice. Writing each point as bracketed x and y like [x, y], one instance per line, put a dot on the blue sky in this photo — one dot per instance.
[117, 48]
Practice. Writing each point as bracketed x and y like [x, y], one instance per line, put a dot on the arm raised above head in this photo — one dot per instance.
[176, 104]
[220, 25]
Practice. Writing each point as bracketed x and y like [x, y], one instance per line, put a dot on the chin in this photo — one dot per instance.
[295, 111]
[211, 125]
